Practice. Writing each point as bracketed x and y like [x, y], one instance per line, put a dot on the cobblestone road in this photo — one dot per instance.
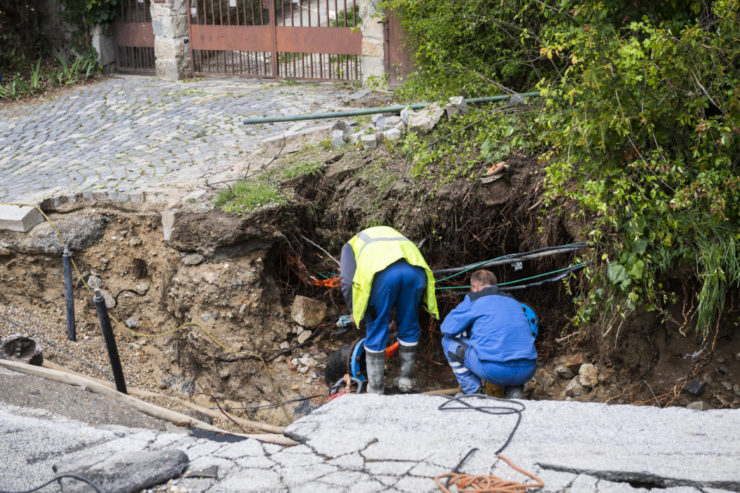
[129, 133]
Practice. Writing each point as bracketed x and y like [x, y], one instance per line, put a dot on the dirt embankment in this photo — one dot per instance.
[204, 301]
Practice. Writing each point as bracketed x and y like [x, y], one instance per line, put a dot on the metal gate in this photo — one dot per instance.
[134, 37]
[293, 39]
[398, 59]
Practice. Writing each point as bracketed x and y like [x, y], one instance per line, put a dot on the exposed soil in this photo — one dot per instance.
[218, 292]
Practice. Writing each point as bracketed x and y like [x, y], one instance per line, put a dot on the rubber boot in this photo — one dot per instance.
[375, 363]
[405, 380]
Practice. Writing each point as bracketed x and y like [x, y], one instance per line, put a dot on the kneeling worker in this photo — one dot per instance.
[487, 337]
[380, 269]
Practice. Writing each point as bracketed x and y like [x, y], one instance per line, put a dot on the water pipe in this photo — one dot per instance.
[110, 341]
[69, 295]
[372, 111]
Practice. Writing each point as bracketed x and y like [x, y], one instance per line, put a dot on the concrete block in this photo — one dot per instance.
[337, 138]
[379, 121]
[21, 219]
[455, 106]
[292, 142]
[369, 141]
[426, 119]
[168, 223]
[392, 134]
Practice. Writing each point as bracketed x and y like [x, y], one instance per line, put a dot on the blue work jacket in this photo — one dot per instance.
[498, 328]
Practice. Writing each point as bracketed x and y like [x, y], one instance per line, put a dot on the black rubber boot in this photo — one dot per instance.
[405, 380]
[375, 371]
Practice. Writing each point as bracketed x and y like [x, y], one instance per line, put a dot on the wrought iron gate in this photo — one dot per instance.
[134, 37]
[294, 39]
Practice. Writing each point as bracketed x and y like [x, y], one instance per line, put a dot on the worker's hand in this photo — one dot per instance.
[352, 317]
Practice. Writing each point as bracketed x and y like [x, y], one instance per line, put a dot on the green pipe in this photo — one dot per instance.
[371, 111]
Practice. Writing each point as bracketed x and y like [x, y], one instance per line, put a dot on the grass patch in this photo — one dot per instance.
[247, 196]
[304, 168]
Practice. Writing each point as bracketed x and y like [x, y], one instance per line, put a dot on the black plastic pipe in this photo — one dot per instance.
[514, 257]
[372, 111]
[110, 341]
[69, 296]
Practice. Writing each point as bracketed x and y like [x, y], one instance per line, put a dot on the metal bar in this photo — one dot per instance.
[69, 295]
[371, 111]
[110, 341]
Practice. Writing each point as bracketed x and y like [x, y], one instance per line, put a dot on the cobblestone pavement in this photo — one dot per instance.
[369, 443]
[129, 133]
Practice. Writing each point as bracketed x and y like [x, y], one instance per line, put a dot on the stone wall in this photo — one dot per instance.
[373, 63]
[171, 39]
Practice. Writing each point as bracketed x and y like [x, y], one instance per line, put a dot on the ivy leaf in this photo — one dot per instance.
[617, 274]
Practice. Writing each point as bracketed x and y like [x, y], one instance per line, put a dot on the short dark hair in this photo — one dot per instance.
[483, 278]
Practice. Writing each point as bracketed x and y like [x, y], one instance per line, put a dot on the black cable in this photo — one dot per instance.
[265, 406]
[511, 257]
[60, 476]
[115, 298]
[548, 280]
[516, 408]
[59, 348]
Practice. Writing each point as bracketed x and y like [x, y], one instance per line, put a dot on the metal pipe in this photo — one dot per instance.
[110, 341]
[69, 295]
[372, 111]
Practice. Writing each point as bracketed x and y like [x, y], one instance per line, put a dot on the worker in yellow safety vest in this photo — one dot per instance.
[381, 269]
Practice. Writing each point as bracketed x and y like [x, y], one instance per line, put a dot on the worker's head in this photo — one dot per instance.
[481, 279]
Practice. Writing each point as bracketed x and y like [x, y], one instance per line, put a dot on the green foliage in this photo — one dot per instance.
[302, 168]
[247, 196]
[90, 12]
[467, 47]
[57, 73]
[467, 145]
[643, 133]
[640, 126]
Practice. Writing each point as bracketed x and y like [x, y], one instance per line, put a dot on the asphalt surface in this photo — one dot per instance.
[368, 443]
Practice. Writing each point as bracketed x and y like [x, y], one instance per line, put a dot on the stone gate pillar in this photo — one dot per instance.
[373, 63]
[171, 39]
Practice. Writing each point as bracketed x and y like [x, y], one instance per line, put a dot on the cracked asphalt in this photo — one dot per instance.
[130, 133]
[369, 443]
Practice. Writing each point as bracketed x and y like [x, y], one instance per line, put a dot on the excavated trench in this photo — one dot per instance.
[205, 302]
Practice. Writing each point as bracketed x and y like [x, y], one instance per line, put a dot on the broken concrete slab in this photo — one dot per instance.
[294, 141]
[79, 233]
[127, 472]
[21, 348]
[617, 443]
[424, 120]
[19, 218]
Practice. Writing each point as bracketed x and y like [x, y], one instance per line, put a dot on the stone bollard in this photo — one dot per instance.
[21, 348]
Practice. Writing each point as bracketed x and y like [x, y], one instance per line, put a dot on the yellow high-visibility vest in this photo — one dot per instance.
[375, 249]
